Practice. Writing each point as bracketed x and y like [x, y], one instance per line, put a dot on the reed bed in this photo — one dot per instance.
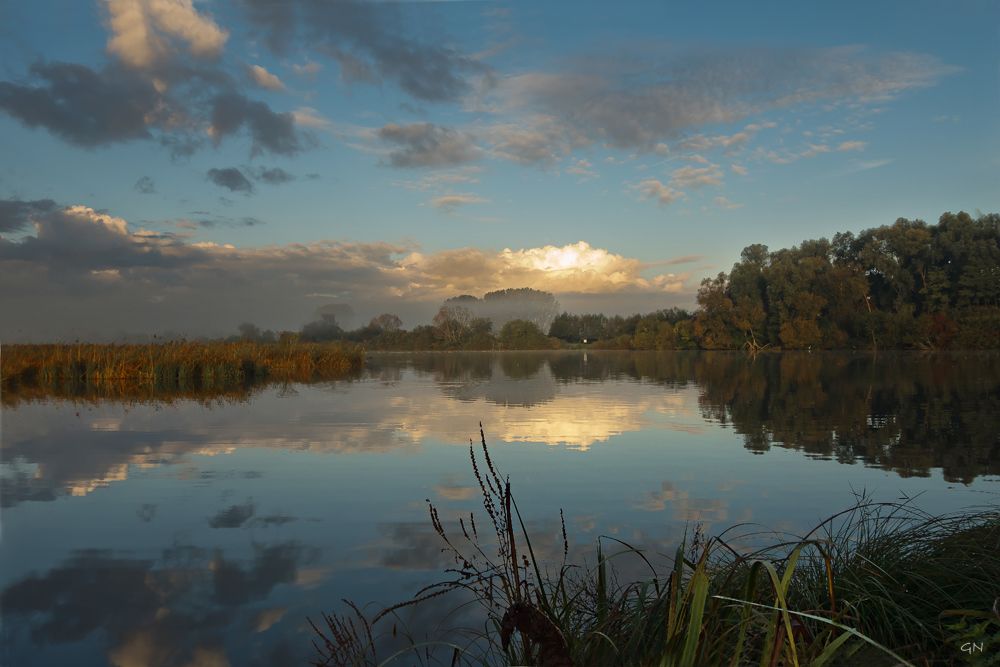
[166, 369]
[877, 585]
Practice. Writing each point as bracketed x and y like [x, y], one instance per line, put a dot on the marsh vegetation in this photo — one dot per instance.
[878, 584]
[192, 370]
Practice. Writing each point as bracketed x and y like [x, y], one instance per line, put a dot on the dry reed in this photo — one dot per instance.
[183, 369]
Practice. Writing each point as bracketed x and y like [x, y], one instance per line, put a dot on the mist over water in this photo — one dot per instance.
[208, 531]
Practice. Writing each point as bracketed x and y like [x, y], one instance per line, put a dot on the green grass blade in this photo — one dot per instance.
[699, 585]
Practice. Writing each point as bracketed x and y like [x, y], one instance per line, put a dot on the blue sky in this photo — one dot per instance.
[170, 165]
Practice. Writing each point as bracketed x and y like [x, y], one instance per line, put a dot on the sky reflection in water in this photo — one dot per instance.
[203, 536]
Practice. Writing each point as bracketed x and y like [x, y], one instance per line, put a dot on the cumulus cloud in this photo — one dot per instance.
[270, 131]
[92, 270]
[15, 215]
[852, 146]
[370, 43]
[90, 108]
[86, 107]
[737, 169]
[230, 178]
[144, 31]
[265, 79]
[661, 193]
[426, 145]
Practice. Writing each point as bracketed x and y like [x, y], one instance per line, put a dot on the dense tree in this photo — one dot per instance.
[908, 284]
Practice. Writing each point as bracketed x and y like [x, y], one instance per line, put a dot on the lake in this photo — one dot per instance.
[204, 534]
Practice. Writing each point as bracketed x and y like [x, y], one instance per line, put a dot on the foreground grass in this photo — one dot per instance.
[879, 584]
[191, 369]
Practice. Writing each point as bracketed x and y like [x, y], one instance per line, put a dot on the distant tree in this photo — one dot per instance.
[386, 323]
[523, 335]
[451, 322]
[249, 332]
[525, 303]
[322, 330]
[566, 327]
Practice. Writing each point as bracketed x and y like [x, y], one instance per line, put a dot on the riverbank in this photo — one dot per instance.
[190, 369]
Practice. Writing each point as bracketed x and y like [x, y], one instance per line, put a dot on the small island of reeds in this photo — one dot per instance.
[201, 370]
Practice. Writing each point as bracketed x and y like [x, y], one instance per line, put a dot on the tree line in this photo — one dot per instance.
[909, 285]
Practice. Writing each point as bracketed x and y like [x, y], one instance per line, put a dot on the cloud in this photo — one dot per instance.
[370, 42]
[659, 191]
[141, 30]
[695, 177]
[145, 185]
[269, 130]
[233, 517]
[581, 168]
[265, 79]
[536, 142]
[736, 169]
[230, 178]
[309, 117]
[639, 101]
[85, 107]
[852, 146]
[164, 281]
[814, 150]
[722, 202]
[426, 145]
[448, 203]
[16, 215]
[309, 70]
[275, 176]
[857, 166]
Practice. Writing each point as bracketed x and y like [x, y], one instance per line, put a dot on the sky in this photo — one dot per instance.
[183, 167]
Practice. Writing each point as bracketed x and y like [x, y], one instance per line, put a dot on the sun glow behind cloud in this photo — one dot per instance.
[111, 273]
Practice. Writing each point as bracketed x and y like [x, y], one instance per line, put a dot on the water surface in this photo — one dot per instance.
[196, 534]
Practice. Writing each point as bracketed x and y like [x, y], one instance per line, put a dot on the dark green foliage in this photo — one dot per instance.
[878, 290]
[523, 335]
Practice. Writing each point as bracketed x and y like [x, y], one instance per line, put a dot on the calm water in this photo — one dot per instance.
[203, 535]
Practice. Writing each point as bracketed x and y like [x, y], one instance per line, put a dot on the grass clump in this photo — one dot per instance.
[145, 371]
[879, 584]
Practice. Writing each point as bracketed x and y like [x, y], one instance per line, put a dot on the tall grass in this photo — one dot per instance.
[880, 584]
[129, 371]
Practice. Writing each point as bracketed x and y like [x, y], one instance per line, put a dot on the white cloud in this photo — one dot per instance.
[265, 79]
[736, 169]
[852, 146]
[141, 30]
